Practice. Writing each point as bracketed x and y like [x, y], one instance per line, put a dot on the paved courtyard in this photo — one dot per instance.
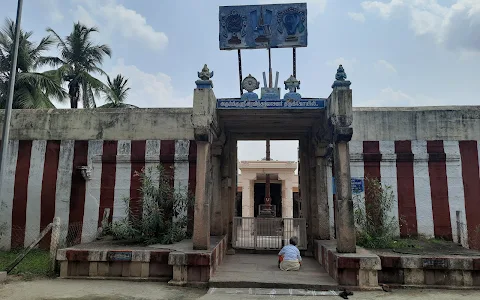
[261, 270]
[60, 289]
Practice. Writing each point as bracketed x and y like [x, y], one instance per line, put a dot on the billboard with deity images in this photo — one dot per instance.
[263, 26]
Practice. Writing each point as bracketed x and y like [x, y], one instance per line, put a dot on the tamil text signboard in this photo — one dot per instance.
[271, 104]
[263, 26]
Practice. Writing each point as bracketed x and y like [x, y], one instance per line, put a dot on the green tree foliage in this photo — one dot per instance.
[79, 57]
[32, 89]
[116, 93]
[376, 227]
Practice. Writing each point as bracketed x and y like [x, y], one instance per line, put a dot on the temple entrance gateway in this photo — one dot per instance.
[321, 125]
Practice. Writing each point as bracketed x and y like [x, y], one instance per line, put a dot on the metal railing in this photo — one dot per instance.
[268, 233]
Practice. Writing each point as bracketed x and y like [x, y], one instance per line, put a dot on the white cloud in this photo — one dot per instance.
[348, 64]
[84, 17]
[359, 17]
[384, 9]
[315, 7]
[385, 65]
[54, 12]
[456, 26]
[116, 19]
[149, 90]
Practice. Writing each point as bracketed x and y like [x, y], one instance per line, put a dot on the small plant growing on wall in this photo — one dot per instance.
[163, 215]
[375, 225]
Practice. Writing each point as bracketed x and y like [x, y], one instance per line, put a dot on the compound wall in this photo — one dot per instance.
[47, 148]
[429, 157]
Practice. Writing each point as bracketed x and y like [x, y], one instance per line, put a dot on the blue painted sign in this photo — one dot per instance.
[119, 255]
[304, 103]
[263, 26]
[358, 185]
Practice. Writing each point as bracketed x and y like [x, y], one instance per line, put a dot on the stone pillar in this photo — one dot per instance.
[287, 195]
[345, 222]
[340, 118]
[233, 192]
[216, 225]
[201, 224]
[303, 179]
[205, 128]
[226, 186]
[248, 184]
[305, 184]
[312, 182]
[321, 216]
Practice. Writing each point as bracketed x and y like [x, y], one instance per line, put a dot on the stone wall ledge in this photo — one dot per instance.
[177, 265]
[358, 269]
[430, 271]
[428, 262]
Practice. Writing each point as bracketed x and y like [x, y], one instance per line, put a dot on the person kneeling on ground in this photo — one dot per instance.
[289, 256]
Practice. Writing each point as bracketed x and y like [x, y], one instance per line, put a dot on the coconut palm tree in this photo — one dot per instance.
[79, 57]
[32, 89]
[116, 93]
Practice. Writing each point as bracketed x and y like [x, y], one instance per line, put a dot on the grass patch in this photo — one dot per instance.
[36, 263]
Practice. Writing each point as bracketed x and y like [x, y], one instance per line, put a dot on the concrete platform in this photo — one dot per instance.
[177, 263]
[261, 271]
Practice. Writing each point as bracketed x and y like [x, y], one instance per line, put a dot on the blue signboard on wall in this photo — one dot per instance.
[263, 26]
[358, 185]
[271, 104]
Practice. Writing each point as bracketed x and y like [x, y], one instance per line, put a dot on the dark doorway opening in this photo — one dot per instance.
[275, 194]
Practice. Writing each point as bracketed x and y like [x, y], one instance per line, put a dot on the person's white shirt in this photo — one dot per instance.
[290, 252]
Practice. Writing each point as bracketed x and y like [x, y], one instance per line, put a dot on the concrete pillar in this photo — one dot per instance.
[247, 197]
[201, 224]
[321, 216]
[226, 185]
[216, 225]
[287, 195]
[303, 178]
[345, 222]
[288, 199]
[205, 130]
[305, 184]
[312, 182]
[341, 118]
[233, 170]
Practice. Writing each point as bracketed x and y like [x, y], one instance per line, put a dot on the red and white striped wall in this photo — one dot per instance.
[43, 181]
[431, 182]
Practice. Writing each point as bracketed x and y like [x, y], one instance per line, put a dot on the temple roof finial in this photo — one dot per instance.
[205, 76]
[341, 78]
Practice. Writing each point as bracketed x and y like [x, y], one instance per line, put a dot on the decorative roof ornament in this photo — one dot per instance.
[292, 84]
[341, 78]
[205, 76]
[250, 83]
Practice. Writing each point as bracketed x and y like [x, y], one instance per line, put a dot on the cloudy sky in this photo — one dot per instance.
[395, 52]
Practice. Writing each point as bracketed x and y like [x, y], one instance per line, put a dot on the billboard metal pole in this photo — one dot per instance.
[11, 90]
[240, 71]
[270, 80]
[294, 62]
